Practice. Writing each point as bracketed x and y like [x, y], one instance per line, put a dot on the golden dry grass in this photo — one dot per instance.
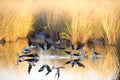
[77, 20]
[15, 20]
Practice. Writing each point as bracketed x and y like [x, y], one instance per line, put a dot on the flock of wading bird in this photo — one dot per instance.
[34, 57]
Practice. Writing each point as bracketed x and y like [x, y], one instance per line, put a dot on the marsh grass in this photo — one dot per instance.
[78, 20]
[15, 21]
[111, 63]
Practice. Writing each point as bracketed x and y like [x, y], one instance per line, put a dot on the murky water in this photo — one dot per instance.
[106, 67]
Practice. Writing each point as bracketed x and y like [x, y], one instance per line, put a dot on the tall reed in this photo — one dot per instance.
[78, 20]
[15, 20]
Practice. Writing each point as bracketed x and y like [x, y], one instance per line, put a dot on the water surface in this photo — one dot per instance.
[104, 68]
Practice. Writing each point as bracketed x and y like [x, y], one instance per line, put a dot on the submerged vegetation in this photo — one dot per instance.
[79, 20]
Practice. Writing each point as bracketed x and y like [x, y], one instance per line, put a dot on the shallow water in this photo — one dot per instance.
[103, 68]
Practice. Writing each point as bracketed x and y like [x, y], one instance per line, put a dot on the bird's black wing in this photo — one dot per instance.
[58, 36]
[41, 69]
[29, 42]
[48, 68]
[29, 55]
[29, 68]
[67, 62]
[72, 47]
[96, 53]
[80, 64]
[47, 73]
[76, 60]
[72, 64]
[30, 60]
[41, 45]
[76, 54]
[80, 46]
[36, 60]
[35, 55]
[48, 44]
[67, 52]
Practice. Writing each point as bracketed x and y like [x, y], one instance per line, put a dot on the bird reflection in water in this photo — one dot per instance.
[45, 67]
[33, 58]
[58, 71]
[75, 61]
[94, 55]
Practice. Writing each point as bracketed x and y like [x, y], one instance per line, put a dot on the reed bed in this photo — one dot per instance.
[15, 20]
[78, 20]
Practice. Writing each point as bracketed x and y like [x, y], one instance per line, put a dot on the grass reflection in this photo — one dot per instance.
[105, 68]
[8, 53]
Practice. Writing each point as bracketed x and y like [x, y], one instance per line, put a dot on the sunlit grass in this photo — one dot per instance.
[15, 21]
[78, 20]
[111, 61]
